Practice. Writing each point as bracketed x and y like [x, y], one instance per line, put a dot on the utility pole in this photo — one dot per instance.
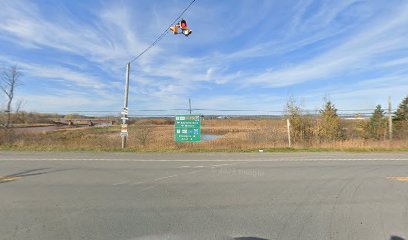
[389, 119]
[288, 125]
[189, 104]
[123, 131]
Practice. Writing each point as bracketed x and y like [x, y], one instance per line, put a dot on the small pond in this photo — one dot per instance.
[209, 137]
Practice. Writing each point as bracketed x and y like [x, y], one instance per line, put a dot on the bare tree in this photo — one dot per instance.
[10, 79]
[143, 135]
[19, 115]
[19, 104]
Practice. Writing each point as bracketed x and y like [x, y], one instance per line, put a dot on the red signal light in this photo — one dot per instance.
[183, 24]
[184, 29]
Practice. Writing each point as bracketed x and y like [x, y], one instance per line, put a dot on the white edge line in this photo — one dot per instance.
[164, 178]
[120, 183]
[211, 160]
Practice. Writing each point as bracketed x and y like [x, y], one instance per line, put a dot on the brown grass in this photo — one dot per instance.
[158, 135]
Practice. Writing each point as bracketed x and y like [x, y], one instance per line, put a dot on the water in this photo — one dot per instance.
[209, 137]
[43, 129]
[40, 129]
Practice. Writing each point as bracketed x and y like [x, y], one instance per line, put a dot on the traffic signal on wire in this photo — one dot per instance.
[183, 26]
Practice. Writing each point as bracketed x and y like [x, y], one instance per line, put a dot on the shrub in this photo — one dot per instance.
[400, 126]
[329, 124]
[377, 126]
[301, 125]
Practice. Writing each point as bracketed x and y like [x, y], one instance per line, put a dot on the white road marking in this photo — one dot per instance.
[161, 180]
[150, 187]
[212, 166]
[164, 178]
[221, 165]
[157, 182]
[210, 160]
[120, 183]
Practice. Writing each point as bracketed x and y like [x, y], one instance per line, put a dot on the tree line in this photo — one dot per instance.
[328, 126]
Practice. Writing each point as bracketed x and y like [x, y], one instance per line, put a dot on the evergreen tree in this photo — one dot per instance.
[402, 111]
[400, 126]
[330, 125]
[377, 126]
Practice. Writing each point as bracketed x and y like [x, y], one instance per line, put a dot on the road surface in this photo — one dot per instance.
[48, 196]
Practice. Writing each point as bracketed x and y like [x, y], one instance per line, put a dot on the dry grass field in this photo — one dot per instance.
[158, 135]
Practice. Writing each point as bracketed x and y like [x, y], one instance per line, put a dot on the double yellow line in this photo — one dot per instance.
[8, 179]
[401, 179]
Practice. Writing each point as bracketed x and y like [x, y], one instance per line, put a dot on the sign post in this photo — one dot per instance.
[123, 130]
[187, 128]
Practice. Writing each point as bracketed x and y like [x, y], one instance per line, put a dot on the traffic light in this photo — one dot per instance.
[183, 24]
[175, 29]
[187, 32]
[184, 29]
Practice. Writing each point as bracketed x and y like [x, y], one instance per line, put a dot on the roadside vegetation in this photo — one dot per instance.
[325, 131]
[328, 129]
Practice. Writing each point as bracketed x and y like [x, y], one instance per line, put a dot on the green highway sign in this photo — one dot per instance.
[187, 128]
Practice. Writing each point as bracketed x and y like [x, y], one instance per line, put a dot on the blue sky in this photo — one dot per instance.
[242, 54]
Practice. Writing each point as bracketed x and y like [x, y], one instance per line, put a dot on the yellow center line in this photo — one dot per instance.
[8, 178]
[401, 179]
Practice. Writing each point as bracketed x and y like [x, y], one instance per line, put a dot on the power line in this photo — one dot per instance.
[214, 110]
[163, 34]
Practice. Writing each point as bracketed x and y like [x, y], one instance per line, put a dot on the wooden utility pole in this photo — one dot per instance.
[189, 104]
[123, 131]
[389, 118]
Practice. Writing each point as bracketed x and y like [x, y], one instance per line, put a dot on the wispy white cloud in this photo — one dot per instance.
[56, 73]
[66, 101]
[395, 62]
[110, 39]
[341, 34]
[64, 74]
[194, 69]
[358, 52]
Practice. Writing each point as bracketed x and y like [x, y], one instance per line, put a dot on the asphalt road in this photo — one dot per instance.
[49, 196]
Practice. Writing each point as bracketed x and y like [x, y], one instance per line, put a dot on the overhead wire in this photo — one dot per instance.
[340, 111]
[161, 36]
